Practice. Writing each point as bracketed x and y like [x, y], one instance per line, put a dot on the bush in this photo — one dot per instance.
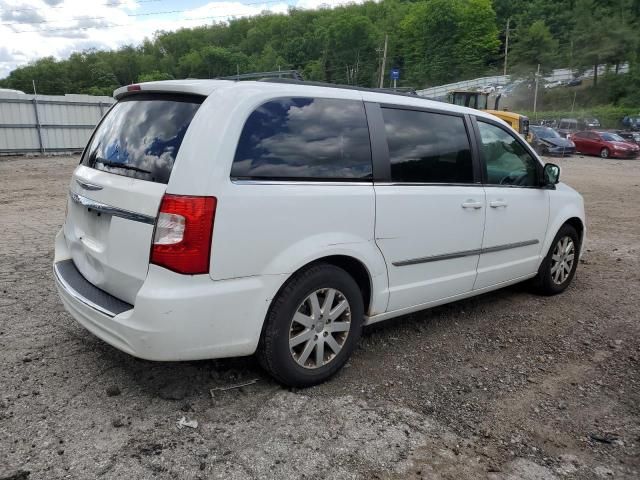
[609, 116]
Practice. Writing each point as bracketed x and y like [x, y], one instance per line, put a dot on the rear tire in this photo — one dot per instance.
[604, 153]
[312, 327]
[559, 266]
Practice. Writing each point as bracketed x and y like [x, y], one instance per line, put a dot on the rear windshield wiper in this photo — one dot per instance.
[107, 163]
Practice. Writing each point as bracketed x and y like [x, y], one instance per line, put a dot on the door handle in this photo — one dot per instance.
[472, 204]
[498, 203]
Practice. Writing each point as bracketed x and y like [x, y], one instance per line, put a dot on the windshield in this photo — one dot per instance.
[141, 135]
[470, 99]
[568, 124]
[612, 137]
[546, 133]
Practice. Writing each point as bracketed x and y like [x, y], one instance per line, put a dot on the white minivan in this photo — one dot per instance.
[213, 218]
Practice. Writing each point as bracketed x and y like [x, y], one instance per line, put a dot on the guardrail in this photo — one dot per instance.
[48, 123]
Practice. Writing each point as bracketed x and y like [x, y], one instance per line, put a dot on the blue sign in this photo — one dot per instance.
[395, 74]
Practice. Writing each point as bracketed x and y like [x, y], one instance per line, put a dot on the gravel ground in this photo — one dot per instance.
[508, 385]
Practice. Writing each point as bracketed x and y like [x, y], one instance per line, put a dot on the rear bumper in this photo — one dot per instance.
[175, 317]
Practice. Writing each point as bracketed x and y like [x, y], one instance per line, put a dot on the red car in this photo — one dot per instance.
[605, 144]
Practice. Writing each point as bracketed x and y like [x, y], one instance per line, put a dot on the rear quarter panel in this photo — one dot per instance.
[275, 228]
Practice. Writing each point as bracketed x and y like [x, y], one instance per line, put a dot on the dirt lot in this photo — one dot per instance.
[505, 386]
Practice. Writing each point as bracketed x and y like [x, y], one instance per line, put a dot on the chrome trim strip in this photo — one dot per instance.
[88, 186]
[425, 184]
[331, 183]
[69, 289]
[464, 253]
[437, 258]
[109, 210]
[509, 246]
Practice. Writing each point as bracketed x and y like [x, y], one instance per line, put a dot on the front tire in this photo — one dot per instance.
[312, 327]
[604, 153]
[559, 266]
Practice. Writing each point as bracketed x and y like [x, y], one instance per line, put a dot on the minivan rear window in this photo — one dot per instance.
[141, 135]
[305, 138]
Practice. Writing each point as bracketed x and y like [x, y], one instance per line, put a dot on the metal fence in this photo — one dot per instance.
[442, 90]
[48, 123]
[559, 74]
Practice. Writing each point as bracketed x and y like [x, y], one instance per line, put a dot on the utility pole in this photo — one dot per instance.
[384, 60]
[506, 47]
[35, 111]
[535, 94]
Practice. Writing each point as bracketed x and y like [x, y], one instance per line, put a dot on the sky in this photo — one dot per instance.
[30, 29]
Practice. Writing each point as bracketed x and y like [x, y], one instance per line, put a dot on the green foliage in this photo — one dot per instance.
[535, 45]
[153, 76]
[432, 42]
[444, 39]
[609, 116]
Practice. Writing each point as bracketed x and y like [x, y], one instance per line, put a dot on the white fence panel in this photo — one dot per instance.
[48, 123]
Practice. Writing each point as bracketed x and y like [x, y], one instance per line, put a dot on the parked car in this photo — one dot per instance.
[554, 84]
[605, 144]
[548, 123]
[588, 123]
[546, 141]
[632, 122]
[567, 126]
[629, 136]
[193, 235]
[574, 83]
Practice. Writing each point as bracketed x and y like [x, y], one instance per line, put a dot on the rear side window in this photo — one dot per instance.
[305, 138]
[427, 147]
[141, 135]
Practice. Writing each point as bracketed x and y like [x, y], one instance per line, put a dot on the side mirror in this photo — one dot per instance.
[551, 174]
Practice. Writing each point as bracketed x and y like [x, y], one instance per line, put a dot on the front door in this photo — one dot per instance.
[430, 217]
[517, 209]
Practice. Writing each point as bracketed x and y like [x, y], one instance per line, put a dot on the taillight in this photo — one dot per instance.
[182, 238]
[133, 88]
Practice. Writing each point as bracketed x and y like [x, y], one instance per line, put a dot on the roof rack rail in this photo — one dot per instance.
[390, 91]
[292, 74]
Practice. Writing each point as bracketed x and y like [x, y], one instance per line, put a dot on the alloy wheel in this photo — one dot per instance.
[562, 260]
[319, 328]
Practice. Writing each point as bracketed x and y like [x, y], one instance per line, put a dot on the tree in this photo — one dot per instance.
[154, 76]
[432, 41]
[446, 40]
[535, 45]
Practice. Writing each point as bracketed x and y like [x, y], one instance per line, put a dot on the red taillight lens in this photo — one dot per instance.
[133, 88]
[184, 228]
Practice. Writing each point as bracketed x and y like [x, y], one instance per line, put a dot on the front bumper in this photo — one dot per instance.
[561, 150]
[175, 317]
[623, 154]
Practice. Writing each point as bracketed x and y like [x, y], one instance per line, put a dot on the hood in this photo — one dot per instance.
[627, 145]
[558, 142]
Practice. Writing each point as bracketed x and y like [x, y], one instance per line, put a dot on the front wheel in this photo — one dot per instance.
[312, 327]
[559, 266]
[604, 153]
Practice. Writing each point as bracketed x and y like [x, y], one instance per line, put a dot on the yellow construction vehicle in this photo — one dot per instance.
[480, 101]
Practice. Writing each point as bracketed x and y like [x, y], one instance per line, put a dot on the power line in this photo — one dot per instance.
[115, 25]
[145, 14]
[108, 4]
